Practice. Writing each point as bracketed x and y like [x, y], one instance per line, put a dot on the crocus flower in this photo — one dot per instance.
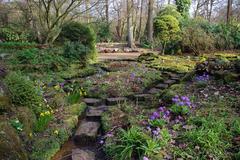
[145, 158]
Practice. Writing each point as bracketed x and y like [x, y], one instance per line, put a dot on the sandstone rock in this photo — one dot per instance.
[95, 113]
[92, 101]
[142, 97]
[117, 100]
[86, 133]
[11, 147]
[78, 154]
[154, 91]
[162, 86]
[170, 82]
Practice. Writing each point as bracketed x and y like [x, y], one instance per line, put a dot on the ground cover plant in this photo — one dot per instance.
[119, 80]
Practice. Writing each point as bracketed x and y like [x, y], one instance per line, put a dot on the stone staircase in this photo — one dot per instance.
[89, 129]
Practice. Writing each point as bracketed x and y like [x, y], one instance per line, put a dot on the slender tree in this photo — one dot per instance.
[229, 10]
[129, 24]
[150, 21]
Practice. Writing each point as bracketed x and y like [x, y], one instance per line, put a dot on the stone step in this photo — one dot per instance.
[161, 86]
[86, 133]
[154, 91]
[92, 101]
[170, 81]
[95, 113]
[79, 154]
[142, 97]
[117, 100]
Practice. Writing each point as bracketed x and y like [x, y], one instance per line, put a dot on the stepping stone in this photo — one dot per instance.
[142, 97]
[92, 101]
[95, 113]
[176, 79]
[162, 86]
[79, 154]
[154, 91]
[117, 100]
[86, 133]
[170, 82]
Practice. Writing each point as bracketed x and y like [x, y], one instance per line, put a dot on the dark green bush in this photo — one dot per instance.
[78, 51]
[102, 30]
[22, 92]
[82, 42]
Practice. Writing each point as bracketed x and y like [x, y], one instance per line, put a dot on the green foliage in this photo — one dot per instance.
[45, 148]
[11, 35]
[167, 29]
[77, 51]
[157, 123]
[17, 125]
[195, 38]
[183, 7]
[132, 142]
[102, 30]
[169, 10]
[39, 60]
[180, 110]
[43, 121]
[22, 92]
[210, 135]
[82, 42]
[17, 45]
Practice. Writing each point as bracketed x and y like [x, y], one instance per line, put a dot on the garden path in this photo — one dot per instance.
[86, 144]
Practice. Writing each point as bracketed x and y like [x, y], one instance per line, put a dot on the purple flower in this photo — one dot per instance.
[181, 103]
[61, 84]
[145, 158]
[156, 114]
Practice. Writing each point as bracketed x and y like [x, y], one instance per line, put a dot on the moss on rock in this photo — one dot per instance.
[11, 147]
[169, 93]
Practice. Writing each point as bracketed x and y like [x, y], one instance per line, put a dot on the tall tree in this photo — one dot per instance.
[140, 21]
[183, 7]
[229, 10]
[107, 10]
[150, 21]
[129, 24]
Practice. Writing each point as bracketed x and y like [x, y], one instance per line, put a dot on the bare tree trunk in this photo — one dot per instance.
[169, 1]
[210, 10]
[140, 22]
[129, 24]
[229, 10]
[87, 4]
[107, 10]
[150, 21]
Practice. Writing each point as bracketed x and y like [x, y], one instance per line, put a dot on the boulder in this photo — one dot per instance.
[79, 154]
[95, 113]
[11, 147]
[86, 133]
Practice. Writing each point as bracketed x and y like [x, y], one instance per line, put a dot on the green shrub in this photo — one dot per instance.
[9, 34]
[210, 135]
[76, 51]
[166, 29]
[22, 92]
[39, 60]
[102, 30]
[17, 45]
[195, 39]
[43, 121]
[135, 143]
